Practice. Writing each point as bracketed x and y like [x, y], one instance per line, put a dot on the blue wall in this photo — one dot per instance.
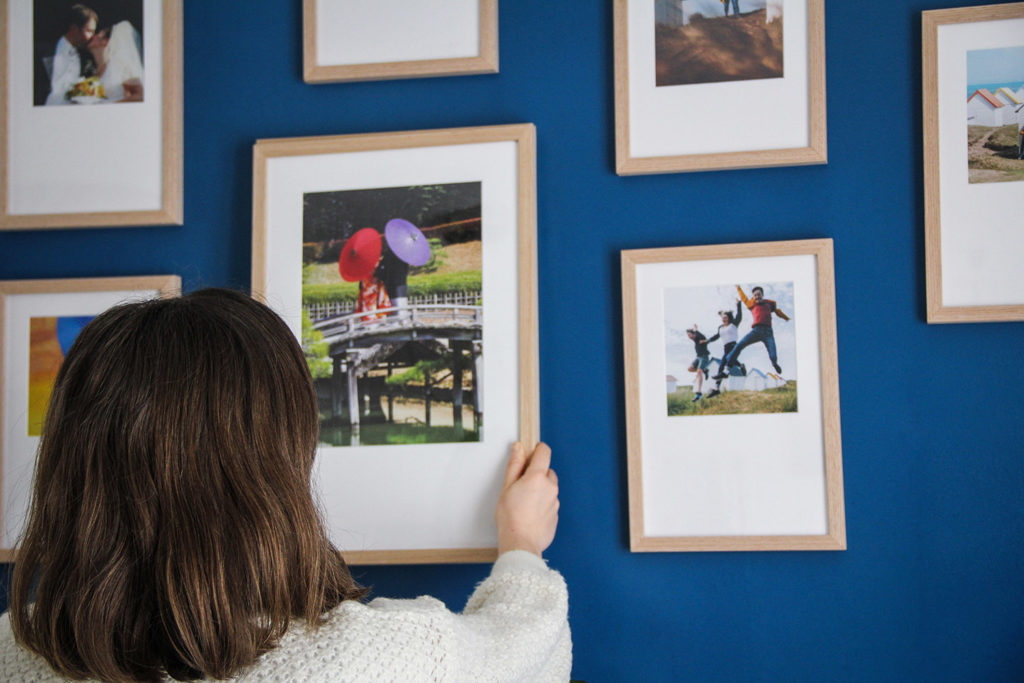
[931, 587]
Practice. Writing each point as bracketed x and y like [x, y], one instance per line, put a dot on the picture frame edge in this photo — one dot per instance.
[171, 210]
[484, 62]
[936, 311]
[814, 153]
[524, 136]
[822, 249]
[167, 285]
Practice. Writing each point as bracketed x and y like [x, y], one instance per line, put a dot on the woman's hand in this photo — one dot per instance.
[527, 511]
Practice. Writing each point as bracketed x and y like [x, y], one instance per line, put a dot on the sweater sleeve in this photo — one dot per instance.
[515, 625]
[743, 297]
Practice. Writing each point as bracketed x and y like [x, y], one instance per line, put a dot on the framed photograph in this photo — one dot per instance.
[90, 113]
[687, 72]
[406, 265]
[41, 319]
[348, 40]
[973, 92]
[732, 398]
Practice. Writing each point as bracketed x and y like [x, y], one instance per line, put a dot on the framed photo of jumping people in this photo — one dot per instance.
[732, 398]
[973, 113]
[714, 84]
[345, 40]
[91, 113]
[40, 320]
[406, 265]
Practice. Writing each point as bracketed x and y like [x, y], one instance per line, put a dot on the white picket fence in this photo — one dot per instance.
[330, 309]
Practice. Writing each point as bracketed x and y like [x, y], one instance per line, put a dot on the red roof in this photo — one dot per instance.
[989, 97]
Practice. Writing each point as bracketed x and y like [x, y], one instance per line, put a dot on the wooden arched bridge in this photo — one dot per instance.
[397, 338]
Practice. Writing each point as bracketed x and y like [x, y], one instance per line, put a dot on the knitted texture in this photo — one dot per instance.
[514, 628]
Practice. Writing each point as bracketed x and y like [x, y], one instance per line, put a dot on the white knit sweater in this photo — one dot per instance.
[514, 628]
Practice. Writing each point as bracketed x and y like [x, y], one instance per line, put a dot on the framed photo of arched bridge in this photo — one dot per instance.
[732, 397]
[406, 265]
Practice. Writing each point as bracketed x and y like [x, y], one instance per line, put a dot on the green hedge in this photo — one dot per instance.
[419, 285]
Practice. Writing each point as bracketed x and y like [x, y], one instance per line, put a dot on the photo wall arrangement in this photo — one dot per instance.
[405, 262]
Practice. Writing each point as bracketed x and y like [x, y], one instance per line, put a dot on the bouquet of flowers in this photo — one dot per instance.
[87, 87]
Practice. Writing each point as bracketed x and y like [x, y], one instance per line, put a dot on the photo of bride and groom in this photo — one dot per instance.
[88, 53]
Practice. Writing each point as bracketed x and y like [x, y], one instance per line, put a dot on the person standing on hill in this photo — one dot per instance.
[701, 362]
[760, 330]
[735, 7]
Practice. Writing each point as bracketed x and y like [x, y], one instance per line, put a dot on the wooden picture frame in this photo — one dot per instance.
[749, 458]
[971, 261]
[133, 172]
[663, 91]
[387, 501]
[452, 38]
[40, 320]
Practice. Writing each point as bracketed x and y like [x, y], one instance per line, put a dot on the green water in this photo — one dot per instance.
[383, 434]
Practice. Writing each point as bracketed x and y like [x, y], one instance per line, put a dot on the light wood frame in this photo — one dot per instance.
[483, 63]
[524, 135]
[165, 285]
[171, 211]
[937, 311]
[835, 538]
[815, 152]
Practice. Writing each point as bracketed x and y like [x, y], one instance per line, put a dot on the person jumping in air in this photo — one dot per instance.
[728, 332]
[760, 330]
[701, 362]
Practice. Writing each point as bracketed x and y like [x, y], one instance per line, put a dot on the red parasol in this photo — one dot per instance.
[360, 255]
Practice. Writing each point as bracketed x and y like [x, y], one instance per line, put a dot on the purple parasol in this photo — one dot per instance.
[407, 241]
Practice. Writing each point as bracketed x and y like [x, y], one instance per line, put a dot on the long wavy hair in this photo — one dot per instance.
[172, 528]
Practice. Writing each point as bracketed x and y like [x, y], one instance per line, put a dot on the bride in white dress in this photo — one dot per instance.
[118, 63]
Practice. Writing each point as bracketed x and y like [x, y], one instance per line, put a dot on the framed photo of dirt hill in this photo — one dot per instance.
[406, 265]
[973, 113]
[715, 84]
[732, 398]
[90, 113]
[349, 40]
[39, 320]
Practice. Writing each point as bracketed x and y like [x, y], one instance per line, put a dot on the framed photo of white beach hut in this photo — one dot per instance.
[349, 40]
[973, 112]
[732, 398]
[90, 113]
[406, 265]
[40, 321]
[716, 84]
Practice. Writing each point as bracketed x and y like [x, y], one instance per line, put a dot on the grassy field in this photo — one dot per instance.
[992, 154]
[456, 258]
[781, 400]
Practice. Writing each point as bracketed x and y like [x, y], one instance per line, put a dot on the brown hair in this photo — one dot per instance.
[79, 15]
[172, 527]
